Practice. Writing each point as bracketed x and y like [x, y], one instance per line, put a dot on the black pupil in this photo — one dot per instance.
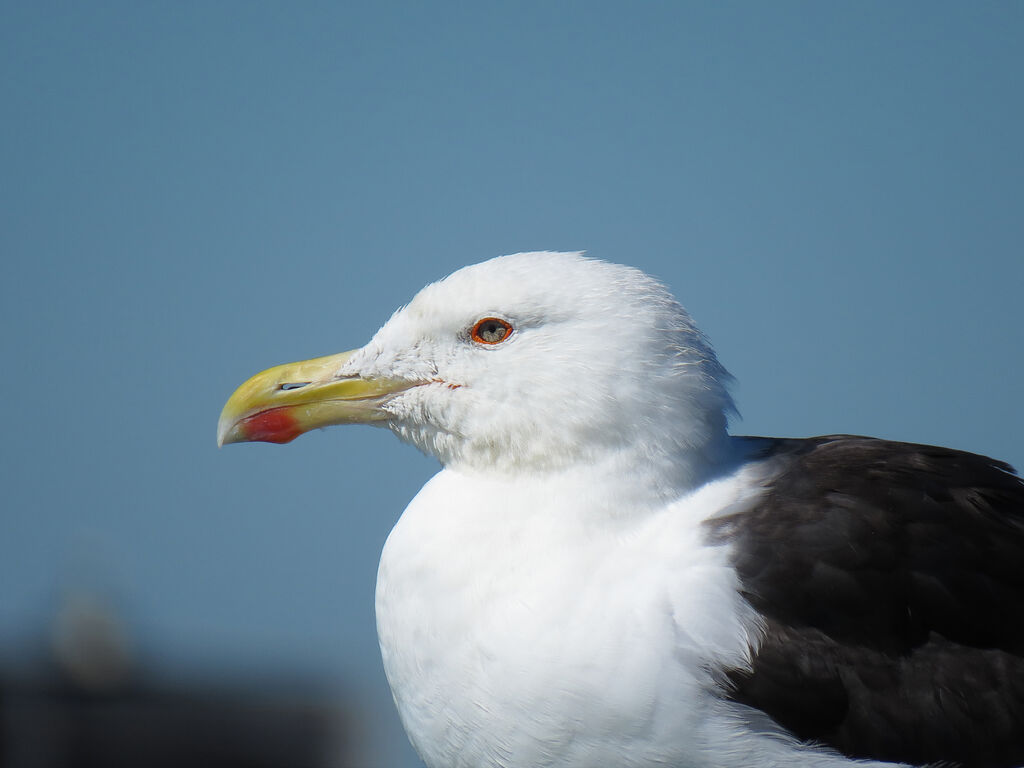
[492, 331]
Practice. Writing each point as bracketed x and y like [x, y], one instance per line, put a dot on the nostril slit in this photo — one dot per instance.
[292, 385]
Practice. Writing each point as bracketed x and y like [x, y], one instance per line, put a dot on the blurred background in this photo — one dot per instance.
[192, 192]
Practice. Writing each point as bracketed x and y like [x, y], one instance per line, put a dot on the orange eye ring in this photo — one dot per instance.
[491, 330]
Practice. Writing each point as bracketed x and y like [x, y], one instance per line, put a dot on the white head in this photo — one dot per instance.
[576, 360]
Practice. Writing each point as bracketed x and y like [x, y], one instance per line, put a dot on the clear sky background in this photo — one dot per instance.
[192, 192]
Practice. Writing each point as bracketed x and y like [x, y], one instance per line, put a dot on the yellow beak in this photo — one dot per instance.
[281, 403]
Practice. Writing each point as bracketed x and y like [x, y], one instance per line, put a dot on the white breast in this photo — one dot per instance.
[515, 632]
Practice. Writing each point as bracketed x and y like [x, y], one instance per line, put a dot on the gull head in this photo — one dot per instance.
[531, 361]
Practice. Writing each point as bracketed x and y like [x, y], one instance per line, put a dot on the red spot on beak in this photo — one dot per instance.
[274, 426]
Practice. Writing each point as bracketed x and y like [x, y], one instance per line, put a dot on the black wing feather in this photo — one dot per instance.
[891, 580]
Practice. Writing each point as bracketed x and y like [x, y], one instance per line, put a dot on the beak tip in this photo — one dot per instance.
[227, 432]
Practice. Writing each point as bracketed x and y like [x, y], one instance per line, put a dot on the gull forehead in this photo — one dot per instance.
[553, 284]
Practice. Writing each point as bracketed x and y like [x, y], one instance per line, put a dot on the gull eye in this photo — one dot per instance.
[491, 330]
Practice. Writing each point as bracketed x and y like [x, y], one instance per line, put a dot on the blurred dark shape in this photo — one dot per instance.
[89, 704]
[91, 645]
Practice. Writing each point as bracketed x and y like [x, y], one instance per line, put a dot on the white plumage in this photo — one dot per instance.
[599, 574]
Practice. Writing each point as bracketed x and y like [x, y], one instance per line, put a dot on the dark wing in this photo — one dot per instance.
[891, 580]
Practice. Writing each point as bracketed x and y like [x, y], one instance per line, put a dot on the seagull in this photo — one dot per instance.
[601, 576]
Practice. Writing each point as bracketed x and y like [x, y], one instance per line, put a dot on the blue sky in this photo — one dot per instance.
[195, 191]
